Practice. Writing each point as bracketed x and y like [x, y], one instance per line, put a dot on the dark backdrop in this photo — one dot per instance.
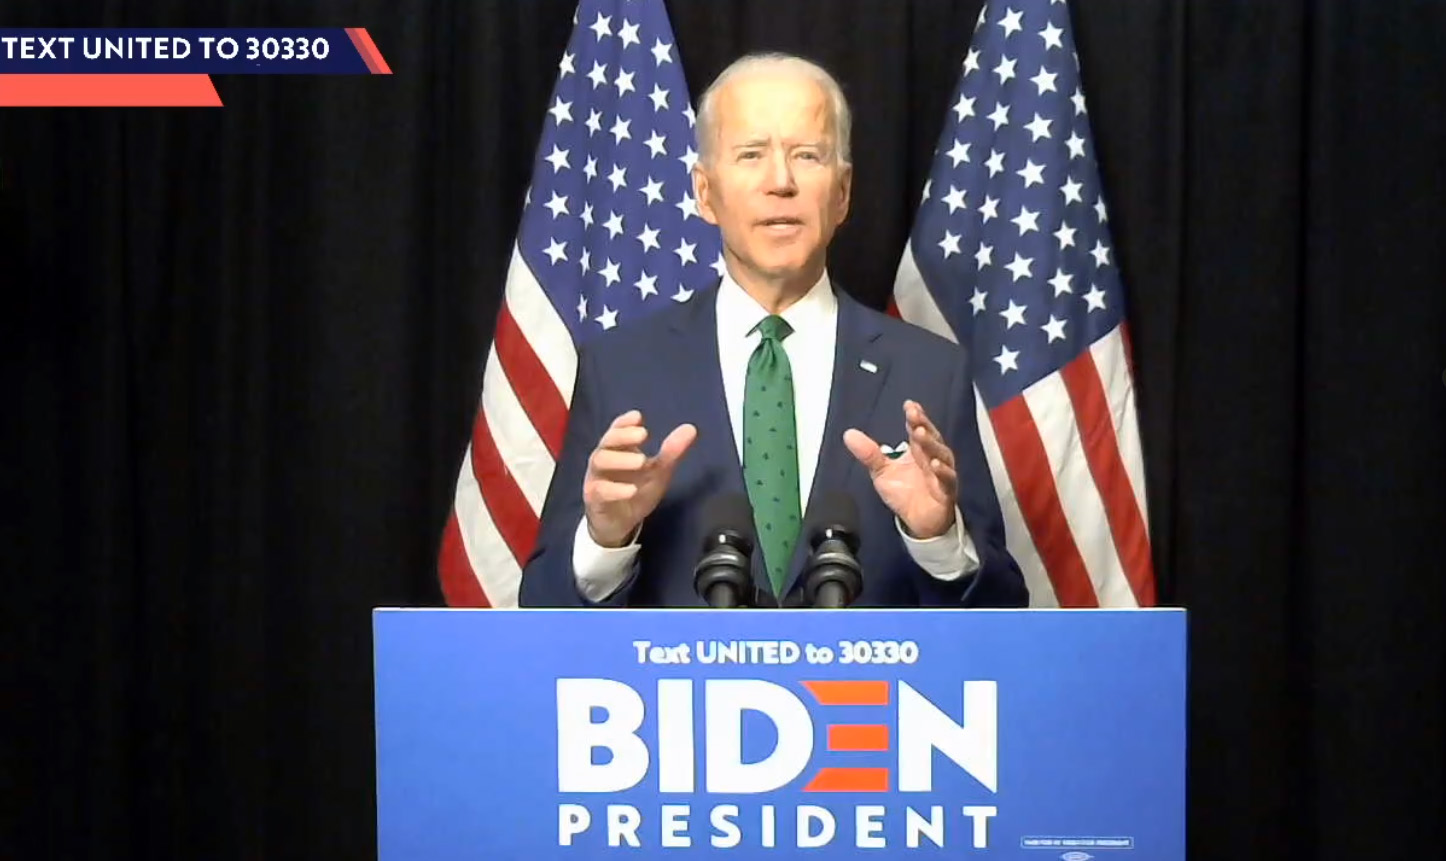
[243, 347]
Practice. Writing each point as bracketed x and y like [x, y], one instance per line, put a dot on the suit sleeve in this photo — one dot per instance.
[549, 578]
[998, 581]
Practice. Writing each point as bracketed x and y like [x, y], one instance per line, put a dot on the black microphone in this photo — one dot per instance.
[724, 576]
[833, 577]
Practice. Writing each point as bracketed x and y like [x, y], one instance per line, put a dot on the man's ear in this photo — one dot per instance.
[846, 181]
[703, 194]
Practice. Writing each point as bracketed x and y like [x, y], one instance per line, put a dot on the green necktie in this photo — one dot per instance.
[770, 449]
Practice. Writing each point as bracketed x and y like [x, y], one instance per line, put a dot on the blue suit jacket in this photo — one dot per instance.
[667, 366]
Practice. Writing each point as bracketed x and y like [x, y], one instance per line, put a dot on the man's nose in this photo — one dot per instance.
[780, 175]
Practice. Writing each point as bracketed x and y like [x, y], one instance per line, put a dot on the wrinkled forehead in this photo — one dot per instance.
[774, 105]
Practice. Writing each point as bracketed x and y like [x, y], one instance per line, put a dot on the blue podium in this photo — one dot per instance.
[542, 734]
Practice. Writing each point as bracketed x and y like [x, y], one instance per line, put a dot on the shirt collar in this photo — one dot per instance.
[738, 312]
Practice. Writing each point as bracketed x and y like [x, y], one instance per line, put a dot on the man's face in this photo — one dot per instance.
[775, 187]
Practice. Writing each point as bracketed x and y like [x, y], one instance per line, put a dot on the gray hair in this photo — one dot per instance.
[707, 126]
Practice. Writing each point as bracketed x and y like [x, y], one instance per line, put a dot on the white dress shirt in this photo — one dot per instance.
[810, 348]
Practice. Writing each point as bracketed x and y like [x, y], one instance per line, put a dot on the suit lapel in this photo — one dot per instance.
[859, 370]
[699, 385]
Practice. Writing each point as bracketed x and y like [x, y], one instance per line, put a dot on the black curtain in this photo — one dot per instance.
[243, 349]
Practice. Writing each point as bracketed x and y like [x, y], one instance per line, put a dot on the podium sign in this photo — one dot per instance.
[1044, 734]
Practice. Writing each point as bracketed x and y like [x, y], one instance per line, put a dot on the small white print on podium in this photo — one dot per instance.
[777, 652]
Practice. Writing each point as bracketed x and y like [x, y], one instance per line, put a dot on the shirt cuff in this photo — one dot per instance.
[600, 570]
[947, 557]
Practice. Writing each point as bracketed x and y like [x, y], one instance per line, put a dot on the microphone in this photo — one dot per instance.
[724, 575]
[833, 577]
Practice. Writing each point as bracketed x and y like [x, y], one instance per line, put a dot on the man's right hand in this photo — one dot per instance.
[623, 485]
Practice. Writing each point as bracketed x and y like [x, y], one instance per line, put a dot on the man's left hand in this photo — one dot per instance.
[920, 486]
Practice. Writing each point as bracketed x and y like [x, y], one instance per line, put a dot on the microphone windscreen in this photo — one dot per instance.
[833, 511]
[728, 512]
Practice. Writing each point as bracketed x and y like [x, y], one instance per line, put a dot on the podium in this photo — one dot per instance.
[556, 734]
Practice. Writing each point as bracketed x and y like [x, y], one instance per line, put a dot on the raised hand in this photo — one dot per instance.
[921, 486]
[623, 485]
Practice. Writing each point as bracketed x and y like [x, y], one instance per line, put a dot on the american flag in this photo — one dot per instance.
[609, 233]
[1011, 256]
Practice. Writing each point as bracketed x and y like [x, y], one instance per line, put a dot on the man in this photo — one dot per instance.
[774, 384]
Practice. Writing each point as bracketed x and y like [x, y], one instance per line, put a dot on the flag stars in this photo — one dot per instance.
[662, 52]
[1044, 81]
[692, 120]
[1039, 128]
[557, 158]
[581, 308]
[558, 205]
[687, 206]
[689, 159]
[610, 273]
[965, 107]
[657, 144]
[977, 301]
[989, 209]
[586, 261]
[1008, 360]
[629, 34]
[565, 67]
[608, 318]
[984, 256]
[955, 199]
[620, 130]
[561, 111]
[594, 122]
[614, 225]
[1065, 235]
[996, 162]
[1000, 116]
[1020, 266]
[720, 265]
[659, 97]
[971, 61]
[653, 191]
[1101, 253]
[603, 26]
[556, 251]
[1054, 329]
[598, 75]
[624, 83]
[618, 176]
[1100, 210]
[1010, 23]
[590, 169]
[587, 214]
[1095, 299]
[647, 285]
[1032, 173]
[1013, 315]
[1076, 146]
[1078, 99]
[1005, 69]
[685, 251]
[1061, 283]
[1026, 220]
[649, 238]
[1071, 190]
[959, 152]
[1050, 34]
[949, 244]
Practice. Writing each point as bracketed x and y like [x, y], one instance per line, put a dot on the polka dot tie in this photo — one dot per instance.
[770, 449]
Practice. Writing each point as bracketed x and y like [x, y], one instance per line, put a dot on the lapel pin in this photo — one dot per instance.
[869, 366]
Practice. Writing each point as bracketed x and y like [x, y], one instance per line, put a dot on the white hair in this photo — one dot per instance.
[707, 126]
